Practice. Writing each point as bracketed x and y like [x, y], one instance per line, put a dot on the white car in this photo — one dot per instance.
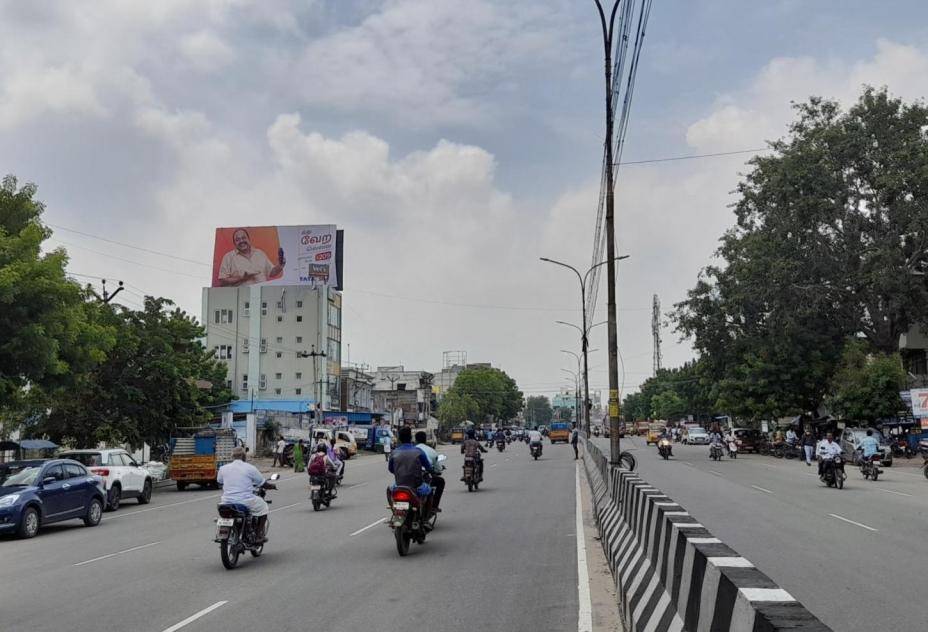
[122, 476]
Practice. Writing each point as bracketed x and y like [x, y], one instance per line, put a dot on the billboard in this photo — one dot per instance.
[278, 255]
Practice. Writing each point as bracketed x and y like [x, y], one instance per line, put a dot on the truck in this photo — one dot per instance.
[197, 454]
[559, 431]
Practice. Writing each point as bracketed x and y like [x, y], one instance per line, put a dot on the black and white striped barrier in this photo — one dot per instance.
[671, 574]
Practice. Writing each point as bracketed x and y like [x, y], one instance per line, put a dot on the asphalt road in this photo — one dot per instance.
[855, 557]
[503, 558]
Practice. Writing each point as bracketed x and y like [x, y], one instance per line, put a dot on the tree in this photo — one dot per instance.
[636, 407]
[867, 383]
[497, 396]
[456, 408]
[48, 334]
[830, 242]
[538, 410]
[667, 405]
[150, 384]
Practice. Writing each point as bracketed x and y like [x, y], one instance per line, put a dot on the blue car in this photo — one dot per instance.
[42, 491]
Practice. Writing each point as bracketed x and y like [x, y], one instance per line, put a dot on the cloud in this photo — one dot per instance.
[206, 51]
[30, 93]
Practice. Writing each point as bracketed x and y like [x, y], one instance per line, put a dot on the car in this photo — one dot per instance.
[850, 440]
[344, 441]
[696, 436]
[122, 476]
[748, 438]
[37, 492]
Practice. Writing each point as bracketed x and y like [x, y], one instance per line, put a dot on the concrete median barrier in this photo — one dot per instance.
[671, 574]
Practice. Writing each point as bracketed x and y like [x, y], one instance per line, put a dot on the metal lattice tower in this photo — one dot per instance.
[453, 358]
[656, 332]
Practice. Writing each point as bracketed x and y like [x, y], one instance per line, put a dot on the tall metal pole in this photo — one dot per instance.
[615, 448]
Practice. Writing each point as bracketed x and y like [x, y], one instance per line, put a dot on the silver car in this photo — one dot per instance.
[697, 436]
[850, 441]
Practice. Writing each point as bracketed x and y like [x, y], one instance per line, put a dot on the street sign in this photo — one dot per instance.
[919, 402]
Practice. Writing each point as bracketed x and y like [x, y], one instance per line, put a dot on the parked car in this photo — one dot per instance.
[696, 436]
[748, 438]
[42, 491]
[850, 440]
[122, 476]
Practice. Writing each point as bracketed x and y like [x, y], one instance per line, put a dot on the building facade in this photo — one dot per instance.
[278, 342]
[357, 390]
[444, 379]
[406, 395]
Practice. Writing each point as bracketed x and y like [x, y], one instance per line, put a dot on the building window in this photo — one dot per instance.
[263, 383]
[280, 319]
[276, 391]
[244, 382]
[299, 304]
[299, 339]
[280, 354]
[279, 339]
[280, 305]
[299, 375]
[264, 308]
[224, 352]
[264, 345]
[247, 308]
[277, 376]
[244, 345]
[299, 319]
[229, 384]
[216, 316]
[299, 391]
[223, 315]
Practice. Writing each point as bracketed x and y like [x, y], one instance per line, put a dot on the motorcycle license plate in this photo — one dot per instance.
[401, 506]
[225, 522]
[315, 488]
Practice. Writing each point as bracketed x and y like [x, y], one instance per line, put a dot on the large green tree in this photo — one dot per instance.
[867, 383]
[830, 242]
[497, 396]
[456, 408]
[538, 410]
[49, 335]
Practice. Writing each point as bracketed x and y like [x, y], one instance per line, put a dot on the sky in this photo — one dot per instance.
[454, 142]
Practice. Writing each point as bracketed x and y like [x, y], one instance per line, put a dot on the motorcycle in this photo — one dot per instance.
[535, 450]
[321, 491]
[236, 529]
[471, 476]
[410, 518]
[788, 451]
[500, 444]
[715, 452]
[870, 468]
[664, 448]
[732, 448]
[833, 473]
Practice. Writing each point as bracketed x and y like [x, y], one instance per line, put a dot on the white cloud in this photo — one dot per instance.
[30, 93]
[206, 51]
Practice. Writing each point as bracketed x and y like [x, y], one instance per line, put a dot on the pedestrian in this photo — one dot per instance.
[808, 445]
[574, 440]
[387, 444]
[279, 452]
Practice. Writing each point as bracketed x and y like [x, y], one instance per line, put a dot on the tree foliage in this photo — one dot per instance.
[830, 242]
[538, 410]
[866, 385]
[456, 408]
[684, 390]
[496, 394]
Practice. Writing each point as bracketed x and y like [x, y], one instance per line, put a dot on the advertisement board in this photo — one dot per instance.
[919, 402]
[277, 255]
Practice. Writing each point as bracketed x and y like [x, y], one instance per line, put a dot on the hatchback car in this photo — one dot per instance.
[696, 436]
[39, 492]
[850, 440]
[122, 476]
[748, 439]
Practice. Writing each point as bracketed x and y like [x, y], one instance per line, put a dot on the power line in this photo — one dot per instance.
[137, 263]
[693, 156]
[125, 245]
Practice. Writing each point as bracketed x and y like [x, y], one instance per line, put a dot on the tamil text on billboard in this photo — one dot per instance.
[276, 255]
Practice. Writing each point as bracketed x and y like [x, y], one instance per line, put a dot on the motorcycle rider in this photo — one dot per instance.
[438, 482]
[534, 438]
[827, 451]
[407, 463]
[321, 464]
[330, 450]
[869, 445]
[471, 449]
[715, 439]
[791, 438]
[239, 480]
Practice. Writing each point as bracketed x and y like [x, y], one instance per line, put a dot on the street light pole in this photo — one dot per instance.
[577, 391]
[584, 330]
[610, 240]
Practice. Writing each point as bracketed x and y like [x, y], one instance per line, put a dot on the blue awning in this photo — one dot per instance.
[37, 444]
[279, 405]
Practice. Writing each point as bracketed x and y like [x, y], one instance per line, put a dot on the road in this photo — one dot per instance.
[855, 557]
[503, 558]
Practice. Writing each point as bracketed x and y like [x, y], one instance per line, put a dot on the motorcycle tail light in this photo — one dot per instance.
[402, 495]
[100, 471]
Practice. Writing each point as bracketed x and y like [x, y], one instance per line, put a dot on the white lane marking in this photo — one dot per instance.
[494, 465]
[183, 502]
[716, 473]
[863, 526]
[284, 507]
[356, 485]
[103, 557]
[370, 526]
[585, 609]
[194, 617]
[889, 491]
[766, 491]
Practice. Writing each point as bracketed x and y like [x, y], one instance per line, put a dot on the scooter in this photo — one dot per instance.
[237, 529]
[535, 450]
[664, 448]
[732, 446]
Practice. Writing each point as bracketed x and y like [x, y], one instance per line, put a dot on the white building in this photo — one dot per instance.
[279, 342]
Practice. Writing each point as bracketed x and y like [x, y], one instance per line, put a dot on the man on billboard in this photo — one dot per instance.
[246, 265]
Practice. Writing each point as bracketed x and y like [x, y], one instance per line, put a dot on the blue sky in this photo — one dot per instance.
[456, 142]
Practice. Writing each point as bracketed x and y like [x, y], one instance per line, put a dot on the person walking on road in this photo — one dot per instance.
[574, 440]
[808, 446]
[279, 452]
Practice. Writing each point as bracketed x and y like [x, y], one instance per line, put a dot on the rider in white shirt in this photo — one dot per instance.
[827, 450]
[534, 436]
[239, 480]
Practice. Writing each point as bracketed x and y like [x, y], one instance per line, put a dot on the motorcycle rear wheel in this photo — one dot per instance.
[875, 475]
[402, 541]
[229, 553]
[316, 505]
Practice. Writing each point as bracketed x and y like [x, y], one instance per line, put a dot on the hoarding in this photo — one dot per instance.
[919, 402]
[277, 255]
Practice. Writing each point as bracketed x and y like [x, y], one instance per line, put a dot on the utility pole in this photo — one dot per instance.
[656, 332]
[610, 240]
